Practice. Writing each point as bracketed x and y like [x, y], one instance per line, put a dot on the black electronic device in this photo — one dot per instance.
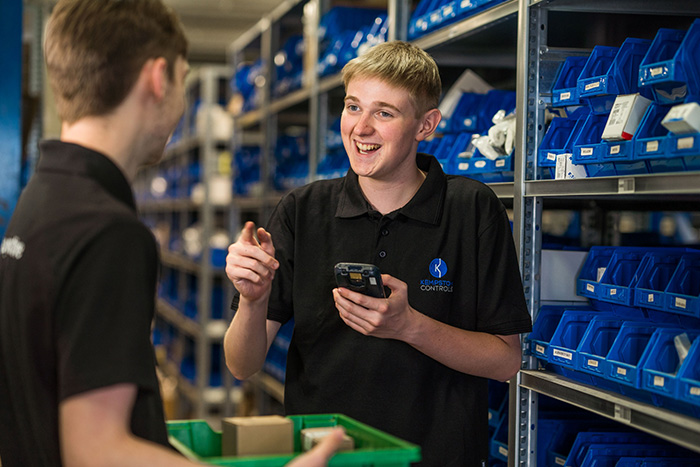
[360, 277]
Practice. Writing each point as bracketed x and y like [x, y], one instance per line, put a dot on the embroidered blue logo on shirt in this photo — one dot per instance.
[438, 268]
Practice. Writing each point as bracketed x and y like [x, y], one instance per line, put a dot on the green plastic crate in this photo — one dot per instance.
[197, 441]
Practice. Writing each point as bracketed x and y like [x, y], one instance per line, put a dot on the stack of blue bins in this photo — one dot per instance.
[665, 70]
[431, 15]
[472, 117]
[641, 303]
[335, 163]
[344, 32]
[289, 66]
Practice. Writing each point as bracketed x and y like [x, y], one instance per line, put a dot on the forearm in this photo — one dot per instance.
[245, 342]
[474, 353]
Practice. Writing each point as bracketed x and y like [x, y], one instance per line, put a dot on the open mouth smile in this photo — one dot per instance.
[363, 148]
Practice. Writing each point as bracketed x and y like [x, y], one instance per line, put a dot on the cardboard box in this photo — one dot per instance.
[627, 111]
[683, 118]
[310, 437]
[263, 435]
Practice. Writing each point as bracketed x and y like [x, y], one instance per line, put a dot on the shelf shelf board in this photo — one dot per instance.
[687, 183]
[249, 118]
[671, 426]
[650, 7]
[503, 190]
[470, 26]
[188, 143]
[213, 396]
[214, 329]
[330, 82]
[180, 261]
[289, 100]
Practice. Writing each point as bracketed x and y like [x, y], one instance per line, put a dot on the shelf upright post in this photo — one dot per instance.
[398, 12]
[523, 403]
[318, 107]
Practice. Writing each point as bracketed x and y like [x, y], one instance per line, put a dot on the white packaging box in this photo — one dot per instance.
[566, 169]
[559, 271]
[626, 113]
[683, 118]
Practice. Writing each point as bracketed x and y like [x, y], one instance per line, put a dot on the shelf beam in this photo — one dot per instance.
[665, 424]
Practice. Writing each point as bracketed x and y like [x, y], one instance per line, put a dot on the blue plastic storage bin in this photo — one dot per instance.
[657, 462]
[689, 376]
[587, 438]
[495, 100]
[651, 141]
[498, 402]
[546, 322]
[622, 361]
[607, 455]
[567, 337]
[660, 362]
[565, 87]
[596, 343]
[611, 71]
[588, 147]
[592, 271]
[498, 447]
[621, 274]
[464, 117]
[683, 291]
[672, 64]
[557, 140]
[658, 267]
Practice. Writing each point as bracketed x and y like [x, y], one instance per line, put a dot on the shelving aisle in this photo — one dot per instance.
[550, 31]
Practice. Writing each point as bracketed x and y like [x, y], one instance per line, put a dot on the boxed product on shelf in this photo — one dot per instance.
[651, 140]
[683, 118]
[625, 116]
[559, 137]
[670, 67]
[198, 441]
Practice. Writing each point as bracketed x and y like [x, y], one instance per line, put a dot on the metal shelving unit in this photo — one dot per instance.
[194, 159]
[539, 53]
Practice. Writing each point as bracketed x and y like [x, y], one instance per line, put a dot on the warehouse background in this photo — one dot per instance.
[250, 133]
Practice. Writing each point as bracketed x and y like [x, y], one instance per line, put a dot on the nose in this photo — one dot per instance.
[363, 125]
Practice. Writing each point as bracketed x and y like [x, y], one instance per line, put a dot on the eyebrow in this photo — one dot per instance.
[377, 103]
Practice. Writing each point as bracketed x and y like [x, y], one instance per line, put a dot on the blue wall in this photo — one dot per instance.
[10, 107]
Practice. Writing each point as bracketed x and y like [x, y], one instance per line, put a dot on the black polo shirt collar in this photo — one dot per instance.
[424, 206]
[69, 158]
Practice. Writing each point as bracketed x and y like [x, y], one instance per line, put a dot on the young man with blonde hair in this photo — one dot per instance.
[414, 364]
[78, 269]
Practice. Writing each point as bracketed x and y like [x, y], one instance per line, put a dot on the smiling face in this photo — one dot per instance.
[380, 129]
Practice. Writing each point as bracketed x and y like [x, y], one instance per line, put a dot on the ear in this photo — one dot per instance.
[429, 123]
[155, 74]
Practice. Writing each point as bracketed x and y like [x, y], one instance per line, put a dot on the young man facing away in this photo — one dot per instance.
[78, 269]
[415, 364]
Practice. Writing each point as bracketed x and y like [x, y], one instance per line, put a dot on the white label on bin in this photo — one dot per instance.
[586, 151]
[657, 71]
[593, 363]
[559, 461]
[685, 143]
[563, 354]
[463, 165]
[621, 371]
[467, 122]
[613, 291]
[653, 146]
[501, 163]
[480, 164]
[448, 10]
[590, 86]
[615, 149]
[564, 96]
[659, 381]
[435, 16]
[551, 156]
[503, 451]
[539, 349]
[650, 298]
[590, 287]
[695, 391]
[680, 302]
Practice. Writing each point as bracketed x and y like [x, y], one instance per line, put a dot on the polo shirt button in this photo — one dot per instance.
[382, 254]
[385, 232]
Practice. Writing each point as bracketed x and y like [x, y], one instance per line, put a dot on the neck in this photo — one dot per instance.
[387, 197]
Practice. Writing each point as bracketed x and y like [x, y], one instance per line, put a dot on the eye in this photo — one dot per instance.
[352, 107]
[385, 114]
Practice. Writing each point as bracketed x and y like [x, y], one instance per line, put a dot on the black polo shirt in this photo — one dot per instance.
[77, 289]
[452, 244]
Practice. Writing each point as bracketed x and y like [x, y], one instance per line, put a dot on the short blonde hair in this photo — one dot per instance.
[402, 65]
